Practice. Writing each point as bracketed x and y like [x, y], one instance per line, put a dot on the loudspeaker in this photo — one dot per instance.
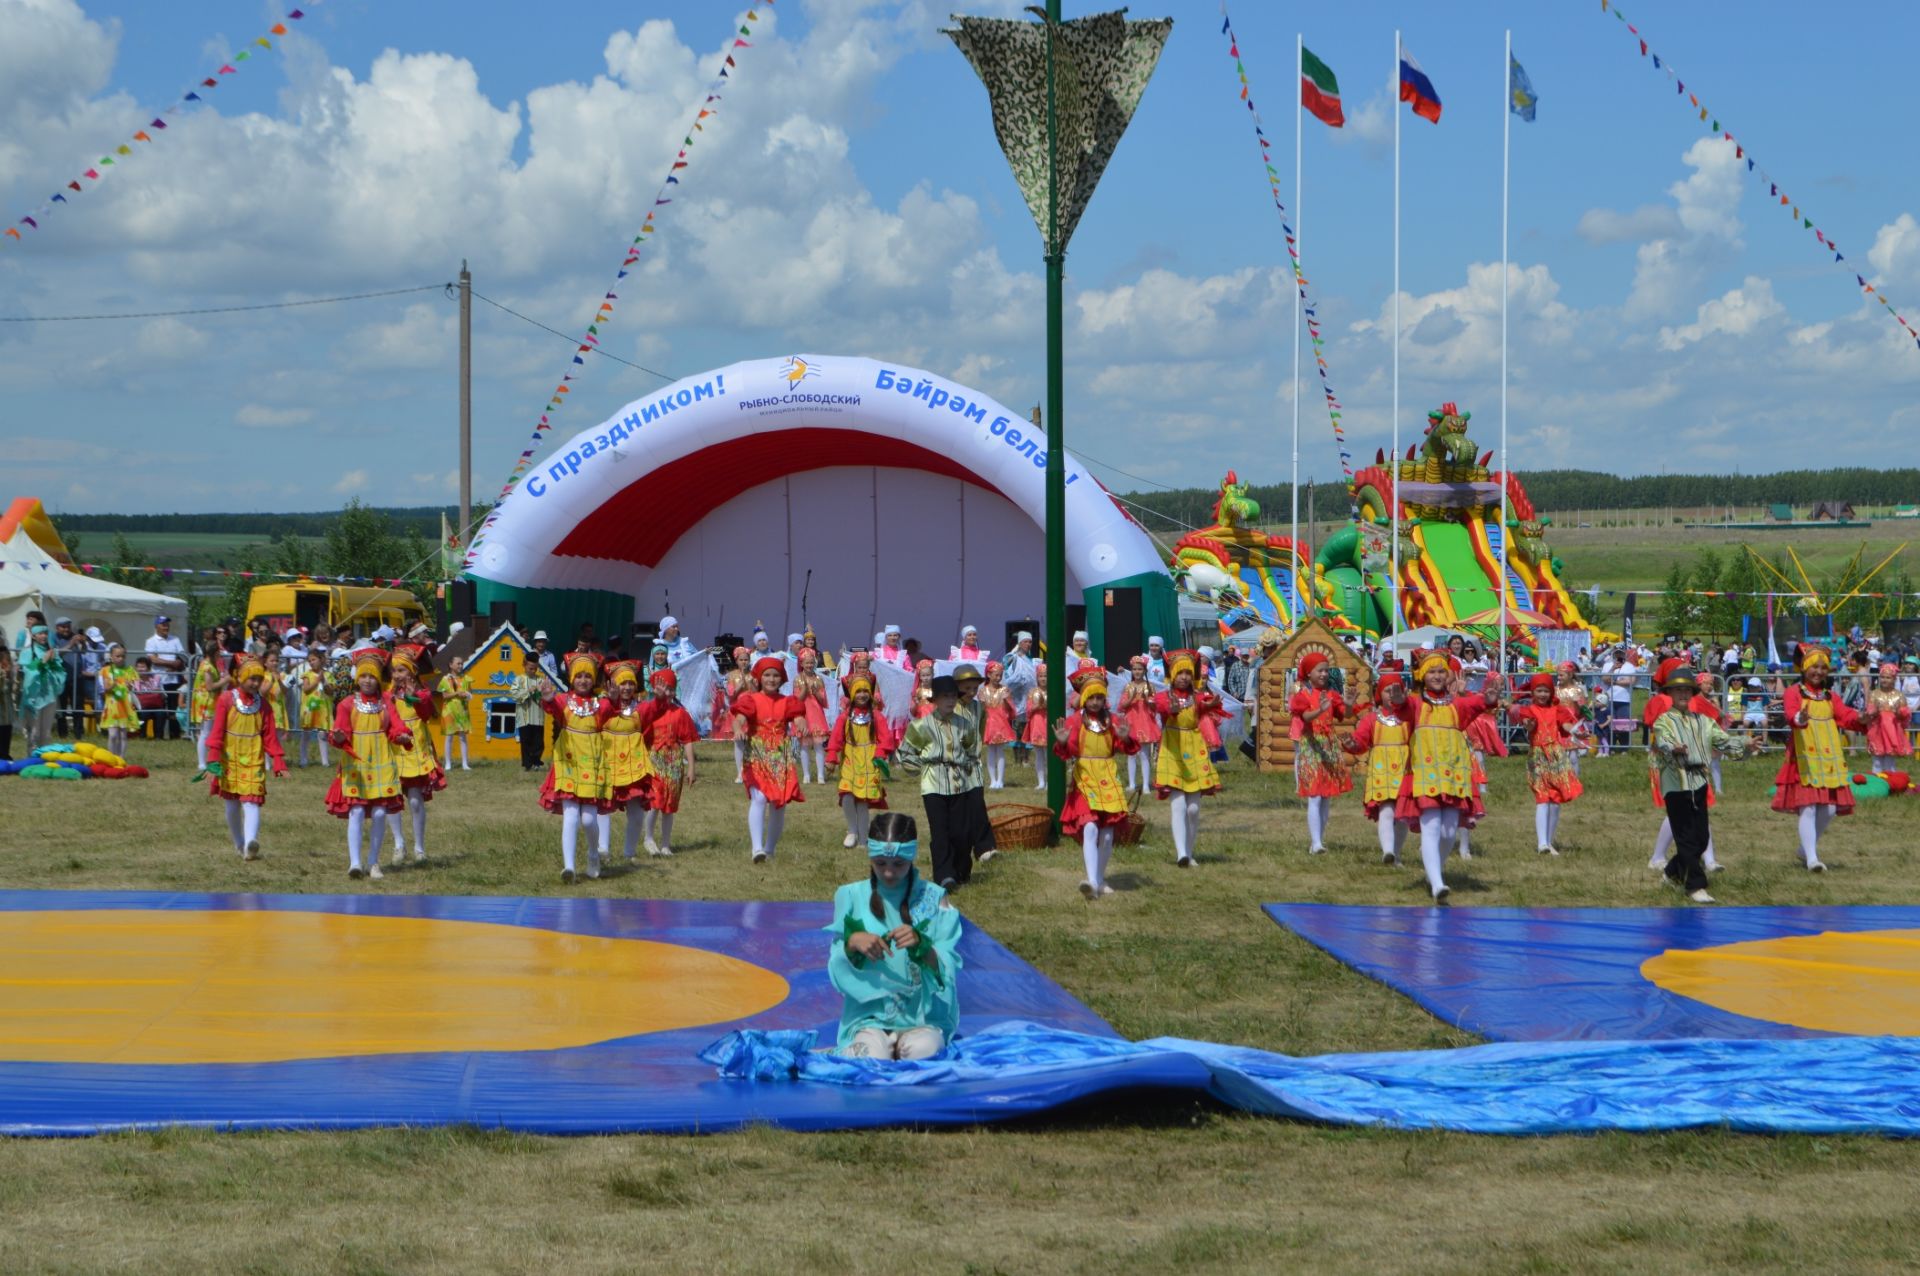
[459, 604]
[1125, 635]
[1076, 620]
[503, 611]
[726, 643]
[640, 637]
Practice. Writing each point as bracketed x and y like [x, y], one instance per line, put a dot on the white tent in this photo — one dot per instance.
[31, 578]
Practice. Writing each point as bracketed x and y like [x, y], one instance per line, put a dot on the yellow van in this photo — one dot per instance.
[360, 609]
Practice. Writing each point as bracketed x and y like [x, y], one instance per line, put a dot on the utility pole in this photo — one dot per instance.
[466, 404]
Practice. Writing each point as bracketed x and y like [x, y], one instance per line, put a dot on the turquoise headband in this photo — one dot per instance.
[878, 850]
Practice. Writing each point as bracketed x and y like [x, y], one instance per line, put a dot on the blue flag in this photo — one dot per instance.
[1520, 94]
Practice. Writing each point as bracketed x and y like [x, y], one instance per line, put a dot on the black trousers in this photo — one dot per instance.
[530, 747]
[1687, 812]
[6, 742]
[950, 836]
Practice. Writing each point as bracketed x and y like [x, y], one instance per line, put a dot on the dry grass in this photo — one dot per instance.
[1150, 1185]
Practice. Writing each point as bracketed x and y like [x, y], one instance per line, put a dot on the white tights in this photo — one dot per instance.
[652, 822]
[356, 833]
[856, 812]
[1813, 822]
[1039, 766]
[996, 766]
[1393, 833]
[739, 760]
[447, 765]
[1184, 815]
[417, 804]
[117, 743]
[765, 822]
[636, 823]
[1318, 809]
[1438, 826]
[243, 822]
[199, 745]
[1663, 842]
[575, 816]
[312, 737]
[1546, 822]
[1096, 847]
[1881, 761]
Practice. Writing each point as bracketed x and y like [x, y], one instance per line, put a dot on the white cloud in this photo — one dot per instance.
[169, 338]
[1896, 251]
[352, 483]
[1735, 313]
[1649, 221]
[258, 416]
[1672, 270]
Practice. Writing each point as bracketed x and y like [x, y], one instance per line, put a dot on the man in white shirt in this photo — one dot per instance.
[168, 656]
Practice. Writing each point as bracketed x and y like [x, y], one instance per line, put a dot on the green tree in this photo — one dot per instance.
[124, 560]
[293, 555]
[1678, 612]
[1705, 579]
[360, 542]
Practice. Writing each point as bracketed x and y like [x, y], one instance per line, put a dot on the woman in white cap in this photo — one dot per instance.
[891, 651]
[678, 645]
[969, 648]
[1157, 659]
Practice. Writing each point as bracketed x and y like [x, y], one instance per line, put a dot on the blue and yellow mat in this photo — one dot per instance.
[126, 1010]
[1615, 974]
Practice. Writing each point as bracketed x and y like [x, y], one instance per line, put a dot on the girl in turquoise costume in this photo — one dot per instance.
[895, 952]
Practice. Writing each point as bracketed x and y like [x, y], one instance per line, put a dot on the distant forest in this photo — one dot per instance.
[1550, 490]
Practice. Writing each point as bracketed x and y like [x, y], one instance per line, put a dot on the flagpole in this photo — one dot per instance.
[1393, 460]
[1299, 202]
[1506, 465]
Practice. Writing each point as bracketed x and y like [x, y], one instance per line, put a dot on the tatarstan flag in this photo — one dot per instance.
[1319, 91]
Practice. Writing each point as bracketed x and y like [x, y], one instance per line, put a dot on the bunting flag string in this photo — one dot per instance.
[1307, 310]
[146, 135]
[127, 571]
[1744, 153]
[708, 107]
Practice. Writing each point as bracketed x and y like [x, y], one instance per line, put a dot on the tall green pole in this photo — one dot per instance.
[1057, 635]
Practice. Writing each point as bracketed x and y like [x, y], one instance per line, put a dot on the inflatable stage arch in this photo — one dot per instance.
[837, 491]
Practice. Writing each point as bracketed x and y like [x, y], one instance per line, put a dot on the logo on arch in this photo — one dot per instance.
[797, 369]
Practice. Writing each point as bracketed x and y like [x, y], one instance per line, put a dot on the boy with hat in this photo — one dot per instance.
[576, 784]
[1382, 734]
[529, 691]
[943, 749]
[980, 844]
[1183, 772]
[895, 954]
[241, 741]
[762, 718]
[671, 735]
[1658, 702]
[861, 740]
[1813, 782]
[1684, 744]
[1090, 738]
[1318, 773]
[366, 778]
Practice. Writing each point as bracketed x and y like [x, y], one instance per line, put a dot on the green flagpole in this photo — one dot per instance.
[1057, 645]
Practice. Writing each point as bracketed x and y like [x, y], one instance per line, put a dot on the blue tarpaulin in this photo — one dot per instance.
[1560, 974]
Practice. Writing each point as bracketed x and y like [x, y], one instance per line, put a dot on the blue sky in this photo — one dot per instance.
[851, 199]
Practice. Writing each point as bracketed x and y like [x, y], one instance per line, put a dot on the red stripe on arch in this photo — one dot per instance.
[641, 522]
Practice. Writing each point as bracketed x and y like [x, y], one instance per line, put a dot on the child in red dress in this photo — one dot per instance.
[1382, 734]
[1089, 739]
[242, 740]
[1888, 718]
[671, 734]
[1814, 782]
[811, 731]
[772, 781]
[1549, 756]
[1319, 773]
[1036, 737]
[1136, 706]
[996, 732]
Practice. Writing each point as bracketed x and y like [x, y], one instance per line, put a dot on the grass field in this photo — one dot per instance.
[174, 549]
[1139, 1185]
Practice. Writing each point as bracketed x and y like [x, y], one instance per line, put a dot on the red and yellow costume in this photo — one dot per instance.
[1439, 759]
[861, 740]
[1180, 719]
[1318, 769]
[1094, 794]
[200, 703]
[668, 732]
[1549, 746]
[367, 732]
[418, 760]
[578, 771]
[1815, 772]
[316, 706]
[770, 759]
[1384, 737]
[242, 738]
[623, 739]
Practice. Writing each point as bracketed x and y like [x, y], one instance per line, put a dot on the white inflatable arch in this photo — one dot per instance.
[859, 492]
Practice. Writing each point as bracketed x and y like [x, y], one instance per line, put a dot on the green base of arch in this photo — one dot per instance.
[1159, 609]
[560, 612]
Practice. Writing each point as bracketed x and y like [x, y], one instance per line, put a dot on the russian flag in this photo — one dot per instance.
[1416, 88]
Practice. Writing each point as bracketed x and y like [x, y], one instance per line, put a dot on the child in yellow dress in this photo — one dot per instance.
[624, 719]
[576, 783]
[456, 712]
[1183, 772]
[419, 763]
[241, 741]
[316, 706]
[860, 743]
[366, 779]
[1091, 738]
[209, 680]
[119, 714]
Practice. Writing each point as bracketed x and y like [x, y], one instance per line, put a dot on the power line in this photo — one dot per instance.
[224, 310]
[570, 340]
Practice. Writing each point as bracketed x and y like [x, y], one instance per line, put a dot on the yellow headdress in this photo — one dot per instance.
[583, 661]
[1090, 681]
[370, 662]
[249, 667]
[1431, 660]
[1811, 656]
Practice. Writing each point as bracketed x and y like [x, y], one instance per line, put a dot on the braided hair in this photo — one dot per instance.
[892, 826]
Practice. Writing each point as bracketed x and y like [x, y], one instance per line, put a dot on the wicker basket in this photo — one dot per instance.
[1017, 827]
[1130, 833]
